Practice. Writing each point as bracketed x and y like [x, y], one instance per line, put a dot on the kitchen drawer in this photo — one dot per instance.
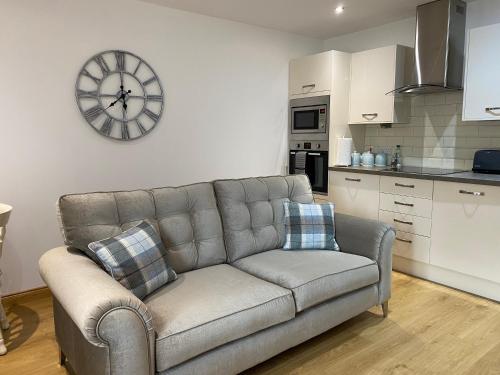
[407, 186]
[407, 223]
[355, 194]
[406, 205]
[412, 246]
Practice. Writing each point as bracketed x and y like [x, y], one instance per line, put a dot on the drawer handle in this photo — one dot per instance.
[403, 240]
[403, 222]
[404, 204]
[476, 193]
[312, 85]
[491, 109]
[353, 179]
[405, 186]
[369, 116]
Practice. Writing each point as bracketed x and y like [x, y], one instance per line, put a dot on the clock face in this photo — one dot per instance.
[119, 95]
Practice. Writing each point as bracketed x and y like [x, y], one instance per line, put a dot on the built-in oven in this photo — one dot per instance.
[315, 165]
[309, 116]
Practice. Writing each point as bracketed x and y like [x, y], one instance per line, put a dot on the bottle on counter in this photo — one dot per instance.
[396, 158]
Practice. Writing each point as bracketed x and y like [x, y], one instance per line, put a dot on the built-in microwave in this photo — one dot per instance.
[309, 115]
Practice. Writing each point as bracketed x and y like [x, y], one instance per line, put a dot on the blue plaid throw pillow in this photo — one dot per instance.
[309, 226]
[136, 259]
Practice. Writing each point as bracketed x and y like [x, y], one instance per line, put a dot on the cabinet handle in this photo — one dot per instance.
[314, 153]
[403, 240]
[404, 204]
[353, 179]
[312, 85]
[403, 222]
[491, 109]
[476, 193]
[405, 186]
[369, 116]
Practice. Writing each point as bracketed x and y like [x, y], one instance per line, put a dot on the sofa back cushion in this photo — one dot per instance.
[253, 214]
[186, 218]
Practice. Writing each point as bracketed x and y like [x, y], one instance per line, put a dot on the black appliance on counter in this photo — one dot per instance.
[487, 161]
[313, 162]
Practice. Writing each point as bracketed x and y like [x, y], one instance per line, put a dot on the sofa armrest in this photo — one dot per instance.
[106, 313]
[371, 239]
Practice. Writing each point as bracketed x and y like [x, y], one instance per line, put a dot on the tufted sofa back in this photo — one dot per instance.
[186, 218]
[252, 211]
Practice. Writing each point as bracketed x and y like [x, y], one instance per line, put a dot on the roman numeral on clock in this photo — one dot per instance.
[107, 126]
[141, 127]
[154, 98]
[149, 81]
[92, 113]
[153, 116]
[86, 73]
[125, 133]
[102, 64]
[86, 94]
[120, 61]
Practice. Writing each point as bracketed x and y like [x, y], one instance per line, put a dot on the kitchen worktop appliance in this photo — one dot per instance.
[487, 161]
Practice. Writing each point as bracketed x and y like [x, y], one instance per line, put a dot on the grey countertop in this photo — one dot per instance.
[465, 177]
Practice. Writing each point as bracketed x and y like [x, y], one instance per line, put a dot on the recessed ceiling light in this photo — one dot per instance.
[339, 9]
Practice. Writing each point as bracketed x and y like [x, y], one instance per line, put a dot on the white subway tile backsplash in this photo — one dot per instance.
[436, 136]
[489, 131]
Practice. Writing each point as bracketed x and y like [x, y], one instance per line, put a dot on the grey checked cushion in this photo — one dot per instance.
[309, 227]
[252, 211]
[136, 258]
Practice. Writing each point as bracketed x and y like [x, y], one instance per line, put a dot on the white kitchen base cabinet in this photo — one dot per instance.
[482, 76]
[355, 194]
[446, 232]
[466, 229]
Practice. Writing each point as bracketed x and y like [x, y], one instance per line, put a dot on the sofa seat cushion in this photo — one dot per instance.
[313, 276]
[211, 306]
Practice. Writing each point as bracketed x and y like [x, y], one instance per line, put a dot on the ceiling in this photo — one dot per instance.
[313, 18]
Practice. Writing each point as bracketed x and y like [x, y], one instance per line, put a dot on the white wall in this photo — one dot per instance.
[400, 32]
[226, 109]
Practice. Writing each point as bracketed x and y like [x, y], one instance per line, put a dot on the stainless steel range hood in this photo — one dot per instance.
[439, 49]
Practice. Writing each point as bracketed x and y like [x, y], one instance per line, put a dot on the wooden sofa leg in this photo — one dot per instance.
[385, 309]
[62, 358]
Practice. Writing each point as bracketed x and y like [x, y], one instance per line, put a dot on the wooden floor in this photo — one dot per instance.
[430, 330]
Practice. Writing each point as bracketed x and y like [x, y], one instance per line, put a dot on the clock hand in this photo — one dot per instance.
[122, 97]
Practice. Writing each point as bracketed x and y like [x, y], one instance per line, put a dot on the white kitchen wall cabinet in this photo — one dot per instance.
[465, 229]
[355, 194]
[374, 73]
[311, 74]
[482, 75]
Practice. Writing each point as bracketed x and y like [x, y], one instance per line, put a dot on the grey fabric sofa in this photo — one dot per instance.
[239, 299]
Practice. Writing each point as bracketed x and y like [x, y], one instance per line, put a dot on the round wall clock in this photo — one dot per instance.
[119, 95]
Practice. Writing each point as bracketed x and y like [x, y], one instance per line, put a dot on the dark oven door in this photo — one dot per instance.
[309, 119]
[316, 169]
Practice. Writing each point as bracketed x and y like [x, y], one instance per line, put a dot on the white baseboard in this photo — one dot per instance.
[467, 283]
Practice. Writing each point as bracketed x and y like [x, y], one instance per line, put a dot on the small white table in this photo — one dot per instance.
[5, 211]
